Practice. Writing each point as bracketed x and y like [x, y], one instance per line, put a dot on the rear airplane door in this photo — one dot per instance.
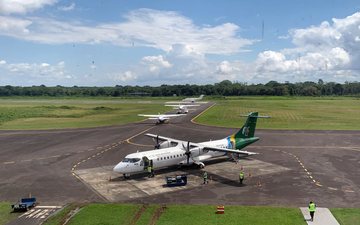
[146, 162]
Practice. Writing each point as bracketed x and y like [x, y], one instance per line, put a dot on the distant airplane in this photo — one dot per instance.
[189, 100]
[172, 152]
[182, 109]
[192, 100]
[161, 118]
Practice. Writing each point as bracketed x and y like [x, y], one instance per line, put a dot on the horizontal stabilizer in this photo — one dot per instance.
[246, 153]
[255, 116]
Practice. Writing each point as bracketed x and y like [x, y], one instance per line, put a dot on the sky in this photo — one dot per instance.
[108, 43]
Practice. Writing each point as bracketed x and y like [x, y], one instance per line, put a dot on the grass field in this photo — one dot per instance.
[105, 214]
[185, 214]
[36, 113]
[5, 213]
[305, 113]
[205, 215]
[60, 217]
[347, 216]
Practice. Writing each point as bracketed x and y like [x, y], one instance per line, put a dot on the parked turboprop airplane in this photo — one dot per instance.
[182, 109]
[161, 118]
[176, 152]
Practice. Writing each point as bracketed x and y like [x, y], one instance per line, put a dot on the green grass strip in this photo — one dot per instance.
[239, 215]
[6, 214]
[109, 214]
[287, 113]
[147, 215]
[62, 113]
[61, 216]
[347, 216]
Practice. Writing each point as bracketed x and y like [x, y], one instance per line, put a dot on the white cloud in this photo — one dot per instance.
[224, 68]
[143, 27]
[127, 76]
[329, 51]
[23, 6]
[155, 63]
[11, 26]
[67, 8]
[35, 70]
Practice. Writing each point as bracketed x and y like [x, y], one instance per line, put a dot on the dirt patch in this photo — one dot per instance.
[138, 214]
[159, 211]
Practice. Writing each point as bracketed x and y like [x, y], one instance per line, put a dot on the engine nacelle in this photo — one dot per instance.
[200, 164]
[165, 144]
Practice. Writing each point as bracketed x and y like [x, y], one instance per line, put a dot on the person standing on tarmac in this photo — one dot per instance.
[312, 209]
[205, 176]
[152, 171]
[149, 170]
[241, 177]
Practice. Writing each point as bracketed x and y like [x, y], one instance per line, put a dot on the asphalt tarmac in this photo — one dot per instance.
[322, 166]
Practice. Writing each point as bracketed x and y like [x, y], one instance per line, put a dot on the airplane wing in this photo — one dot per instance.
[185, 103]
[182, 105]
[162, 138]
[156, 116]
[246, 153]
[172, 115]
[174, 103]
[194, 145]
[146, 115]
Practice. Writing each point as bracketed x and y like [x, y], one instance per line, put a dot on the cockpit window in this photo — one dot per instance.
[131, 160]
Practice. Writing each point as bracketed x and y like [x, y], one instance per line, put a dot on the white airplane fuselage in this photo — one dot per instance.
[134, 163]
[182, 110]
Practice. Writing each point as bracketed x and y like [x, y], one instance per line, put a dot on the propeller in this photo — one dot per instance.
[187, 152]
[157, 145]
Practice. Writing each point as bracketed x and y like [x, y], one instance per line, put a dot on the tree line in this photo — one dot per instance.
[224, 88]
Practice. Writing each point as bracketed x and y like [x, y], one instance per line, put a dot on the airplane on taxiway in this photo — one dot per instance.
[172, 152]
[161, 118]
[182, 109]
[189, 100]
[192, 100]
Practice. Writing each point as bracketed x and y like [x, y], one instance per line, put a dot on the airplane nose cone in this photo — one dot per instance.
[119, 168]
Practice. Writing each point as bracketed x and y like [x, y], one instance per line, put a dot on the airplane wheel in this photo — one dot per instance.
[126, 176]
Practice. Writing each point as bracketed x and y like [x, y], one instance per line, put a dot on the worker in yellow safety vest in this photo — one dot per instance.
[312, 209]
[149, 170]
[241, 177]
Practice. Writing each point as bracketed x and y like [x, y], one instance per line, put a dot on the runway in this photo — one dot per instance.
[293, 167]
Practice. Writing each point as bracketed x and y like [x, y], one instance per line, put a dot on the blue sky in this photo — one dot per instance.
[107, 43]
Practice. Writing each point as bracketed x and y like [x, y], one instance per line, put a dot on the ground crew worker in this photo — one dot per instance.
[241, 177]
[149, 169]
[312, 209]
[205, 176]
[152, 172]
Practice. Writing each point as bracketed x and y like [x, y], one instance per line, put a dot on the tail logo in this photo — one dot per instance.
[245, 131]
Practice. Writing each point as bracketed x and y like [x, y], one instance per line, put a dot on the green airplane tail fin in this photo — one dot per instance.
[248, 130]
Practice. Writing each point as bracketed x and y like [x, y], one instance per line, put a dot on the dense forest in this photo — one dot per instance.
[224, 88]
